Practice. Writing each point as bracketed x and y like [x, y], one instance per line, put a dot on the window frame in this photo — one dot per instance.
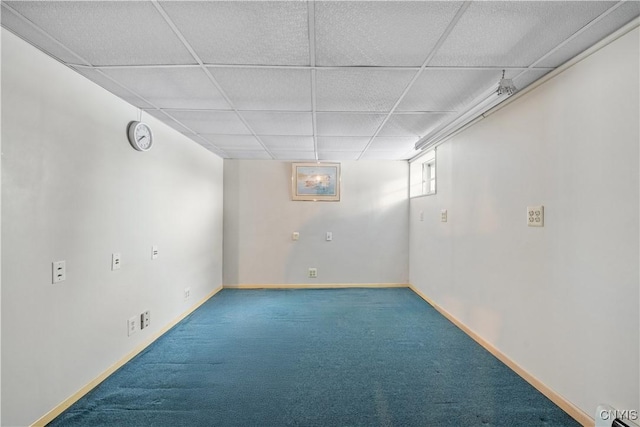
[427, 175]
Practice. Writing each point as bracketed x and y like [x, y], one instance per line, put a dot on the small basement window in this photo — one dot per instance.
[422, 175]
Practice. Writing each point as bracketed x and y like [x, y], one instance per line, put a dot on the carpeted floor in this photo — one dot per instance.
[335, 357]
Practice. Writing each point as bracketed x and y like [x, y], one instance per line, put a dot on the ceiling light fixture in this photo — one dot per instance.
[506, 86]
[481, 105]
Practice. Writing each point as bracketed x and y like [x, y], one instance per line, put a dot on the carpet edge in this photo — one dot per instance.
[65, 404]
[568, 407]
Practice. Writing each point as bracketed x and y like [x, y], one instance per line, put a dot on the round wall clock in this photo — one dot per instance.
[140, 136]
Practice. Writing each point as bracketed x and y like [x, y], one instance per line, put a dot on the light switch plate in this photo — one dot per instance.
[58, 271]
[535, 216]
[295, 235]
[443, 215]
[115, 261]
[154, 252]
[329, 236]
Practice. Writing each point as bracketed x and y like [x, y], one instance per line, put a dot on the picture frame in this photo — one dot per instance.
[317, 182]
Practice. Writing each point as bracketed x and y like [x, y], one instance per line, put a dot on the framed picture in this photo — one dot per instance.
[315, 181]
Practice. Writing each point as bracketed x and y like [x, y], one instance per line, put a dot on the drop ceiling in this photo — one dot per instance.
[311, 80]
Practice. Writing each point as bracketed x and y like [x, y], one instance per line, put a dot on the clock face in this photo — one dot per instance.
[140, 136]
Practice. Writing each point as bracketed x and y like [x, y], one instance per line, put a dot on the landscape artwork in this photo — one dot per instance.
[315, 181]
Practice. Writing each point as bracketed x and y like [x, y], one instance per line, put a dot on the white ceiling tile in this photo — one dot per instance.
[106, 83]
[266, 89]
[619, 17]
[396, 144]
[448, 90]
[211, 122]
[348, 124]
[351, 103]
[28, 32]
[244, 32]
[412, 125]
[287, 142]
[360, 89]
[294, 155]
[234, 142]
[208, 146]
[270, 123]
[379, 33]
[168, 121]
[172, 87]
[513, 33]
[385, 155]
[108, 32]
[342, 143]
[248, 154]
[338, 155]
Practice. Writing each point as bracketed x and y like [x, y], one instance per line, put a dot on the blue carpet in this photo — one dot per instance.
[336, 357]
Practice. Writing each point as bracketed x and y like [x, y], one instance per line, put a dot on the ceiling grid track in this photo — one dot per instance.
[44, 33]
[315, 80]
[532, 67]
[88, 65]
[311, 17]
[212, 79]
[435, 49]
[309, 67]
[573, 36]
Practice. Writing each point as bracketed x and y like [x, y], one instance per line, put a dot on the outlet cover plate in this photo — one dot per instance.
[535, 216]
[131, 325]
[145, 319]
[313, 273]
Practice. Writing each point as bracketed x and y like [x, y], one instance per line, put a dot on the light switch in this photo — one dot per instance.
[154, 252]
[295, 235]
[115, 261]
[329, 236]
[443, 215]
[421, 215]
[58, 271]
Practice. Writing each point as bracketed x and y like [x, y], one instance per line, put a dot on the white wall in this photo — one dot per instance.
[561, 301]
[369, 226]
[73, 189]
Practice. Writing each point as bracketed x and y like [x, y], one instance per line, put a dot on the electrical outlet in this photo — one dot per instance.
[131, 325]
[115, 261]
[58, 271]
[443, 215]
[154, 252]
[313, 273]
[535, 216]
[187, 293]
[145, 319]
[421, 215]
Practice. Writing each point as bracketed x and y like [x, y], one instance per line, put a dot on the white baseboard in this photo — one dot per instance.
[317, 286]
